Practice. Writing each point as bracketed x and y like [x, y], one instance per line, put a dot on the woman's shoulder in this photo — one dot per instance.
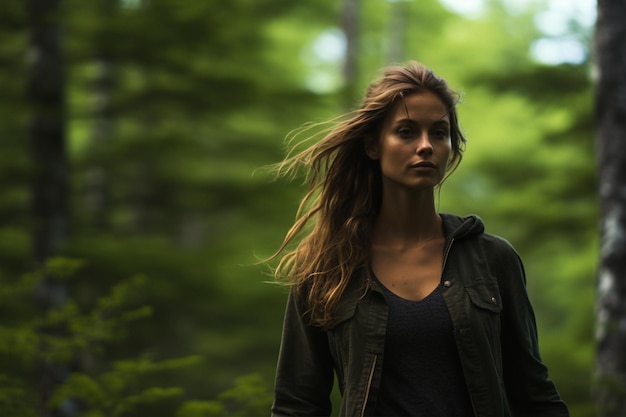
[497, 248]
[472, 227]
[497, 241]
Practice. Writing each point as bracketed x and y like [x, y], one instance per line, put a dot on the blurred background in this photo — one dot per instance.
[148, 299]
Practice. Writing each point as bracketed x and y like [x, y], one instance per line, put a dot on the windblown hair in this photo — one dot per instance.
[345, 191]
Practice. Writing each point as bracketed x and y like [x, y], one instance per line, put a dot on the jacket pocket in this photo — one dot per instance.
[485, 297]
[485, 309]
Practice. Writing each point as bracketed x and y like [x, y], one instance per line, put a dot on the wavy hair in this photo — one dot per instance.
[344, 194]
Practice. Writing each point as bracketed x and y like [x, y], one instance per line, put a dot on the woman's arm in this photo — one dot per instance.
[529, 389]
[304, 376]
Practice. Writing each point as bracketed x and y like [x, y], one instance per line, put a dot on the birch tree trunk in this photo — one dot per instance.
[610, 101]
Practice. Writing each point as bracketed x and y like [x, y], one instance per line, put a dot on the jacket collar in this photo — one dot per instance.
[457, 227]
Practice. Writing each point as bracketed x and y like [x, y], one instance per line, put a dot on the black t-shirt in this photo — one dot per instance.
[422, 375]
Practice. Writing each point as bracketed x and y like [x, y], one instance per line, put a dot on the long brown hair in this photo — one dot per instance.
[344, 193]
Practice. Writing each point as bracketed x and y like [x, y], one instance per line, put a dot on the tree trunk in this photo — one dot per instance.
[97, 181]
[350, 27]
[47, 130]
[398, 23]
[50, 213]
[610, 100]
[97, 173]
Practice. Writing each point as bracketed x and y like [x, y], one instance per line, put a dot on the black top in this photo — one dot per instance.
[422, 375]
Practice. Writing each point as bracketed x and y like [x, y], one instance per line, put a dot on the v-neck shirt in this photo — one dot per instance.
[422, 374]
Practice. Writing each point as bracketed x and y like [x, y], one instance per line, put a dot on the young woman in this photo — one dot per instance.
[417, 313]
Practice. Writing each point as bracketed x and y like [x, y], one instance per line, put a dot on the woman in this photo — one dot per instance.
[417, 313]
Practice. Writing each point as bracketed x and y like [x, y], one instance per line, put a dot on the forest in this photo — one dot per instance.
[130, 244]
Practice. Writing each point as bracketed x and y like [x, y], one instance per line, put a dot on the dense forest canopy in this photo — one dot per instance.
[173, 109]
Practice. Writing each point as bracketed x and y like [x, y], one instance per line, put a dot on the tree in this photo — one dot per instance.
[350, 26]
[610, 108]
[47, 97]
[46, 92]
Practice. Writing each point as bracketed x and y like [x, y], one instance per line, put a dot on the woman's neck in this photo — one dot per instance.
[407, 220]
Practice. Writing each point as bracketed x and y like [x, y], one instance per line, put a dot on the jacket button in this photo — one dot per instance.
[447, 284]
[493, 300]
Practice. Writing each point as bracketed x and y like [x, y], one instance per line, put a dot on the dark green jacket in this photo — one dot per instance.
[483, 285]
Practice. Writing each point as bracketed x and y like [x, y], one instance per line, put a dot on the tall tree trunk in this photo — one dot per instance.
[610, 100]
[47, 134]
[97, 181]
[97, 174]
[46, 93]
[398, 23]
[350, 26]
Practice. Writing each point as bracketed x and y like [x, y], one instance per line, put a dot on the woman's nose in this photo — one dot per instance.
[424, 145]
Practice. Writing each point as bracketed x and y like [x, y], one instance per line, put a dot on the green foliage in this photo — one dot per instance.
[105, 395]
[68, 334]
[16, 398]
[251, 396]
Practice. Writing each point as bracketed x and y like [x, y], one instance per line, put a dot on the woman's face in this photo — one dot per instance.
[414, 145]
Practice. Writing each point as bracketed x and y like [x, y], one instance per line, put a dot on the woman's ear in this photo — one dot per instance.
[371, 149]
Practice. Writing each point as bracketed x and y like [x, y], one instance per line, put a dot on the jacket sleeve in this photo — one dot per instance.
[529, 389]
[304, 374]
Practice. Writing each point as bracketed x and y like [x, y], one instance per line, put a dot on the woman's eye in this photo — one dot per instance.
[440, 134]
[406, 132]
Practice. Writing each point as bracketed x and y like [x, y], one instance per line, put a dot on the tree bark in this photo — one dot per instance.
[97, 173]
[97, 181]
[46, 92]
[610, 102]
[399, 21]
[50, 212]
[350, 26]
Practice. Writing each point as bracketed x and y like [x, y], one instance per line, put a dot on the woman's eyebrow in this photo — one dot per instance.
[414, 121]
